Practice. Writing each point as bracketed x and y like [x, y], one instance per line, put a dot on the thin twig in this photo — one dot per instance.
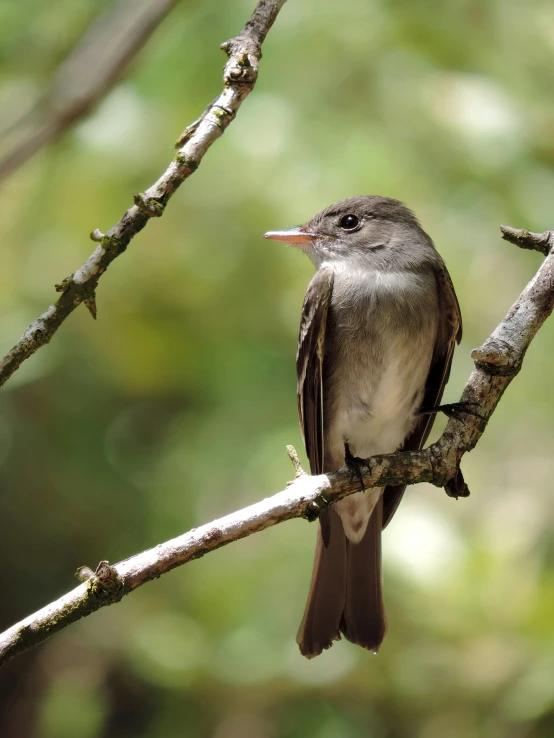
[525, 240]
[496, 364]
[240, 74]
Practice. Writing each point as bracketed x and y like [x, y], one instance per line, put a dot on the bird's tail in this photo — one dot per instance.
[346, 593]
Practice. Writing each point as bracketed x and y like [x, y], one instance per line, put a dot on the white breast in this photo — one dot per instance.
[381, 358]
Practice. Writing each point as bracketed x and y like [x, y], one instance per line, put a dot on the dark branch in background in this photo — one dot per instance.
[84, 78]
[240, 74]
[496, 363]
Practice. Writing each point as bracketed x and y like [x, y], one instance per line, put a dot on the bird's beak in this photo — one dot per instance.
[297, 235]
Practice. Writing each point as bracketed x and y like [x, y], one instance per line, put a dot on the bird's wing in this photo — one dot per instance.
[448, 334]
[309, 365]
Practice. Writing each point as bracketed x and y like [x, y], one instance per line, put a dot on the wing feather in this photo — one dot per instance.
[309, 365]
[448, 334]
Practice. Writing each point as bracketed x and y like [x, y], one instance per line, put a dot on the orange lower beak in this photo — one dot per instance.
[291, 235]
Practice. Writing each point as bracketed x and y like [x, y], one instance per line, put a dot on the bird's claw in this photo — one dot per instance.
[354, 464]
[453, 410]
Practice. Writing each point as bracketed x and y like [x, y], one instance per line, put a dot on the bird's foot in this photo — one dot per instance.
[453, 410]
[354, 464]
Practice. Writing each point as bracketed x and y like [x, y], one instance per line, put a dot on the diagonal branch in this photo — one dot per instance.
[497, 362]
[84, 78]
[240, 74]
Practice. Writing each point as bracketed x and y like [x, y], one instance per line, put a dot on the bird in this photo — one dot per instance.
[378, 328]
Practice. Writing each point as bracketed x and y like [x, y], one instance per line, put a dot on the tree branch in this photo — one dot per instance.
[497, 362]
[84, 78]
[240, 74]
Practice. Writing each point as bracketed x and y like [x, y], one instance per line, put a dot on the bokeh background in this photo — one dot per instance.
[176, 405]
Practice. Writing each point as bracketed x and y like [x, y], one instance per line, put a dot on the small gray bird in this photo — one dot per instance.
[377, 333]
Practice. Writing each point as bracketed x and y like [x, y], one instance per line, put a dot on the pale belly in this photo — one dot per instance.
[377, 389]
[395, 399]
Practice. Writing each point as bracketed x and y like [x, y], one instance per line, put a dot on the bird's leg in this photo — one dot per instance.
[453, 410]
[354, 464]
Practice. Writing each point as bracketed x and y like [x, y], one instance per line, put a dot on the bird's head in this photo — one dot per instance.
[368, 231]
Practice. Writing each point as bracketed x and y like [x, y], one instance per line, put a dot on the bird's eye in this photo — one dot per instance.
[349, 222]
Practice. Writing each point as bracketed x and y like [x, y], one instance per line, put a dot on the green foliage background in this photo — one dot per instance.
[175, 406]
